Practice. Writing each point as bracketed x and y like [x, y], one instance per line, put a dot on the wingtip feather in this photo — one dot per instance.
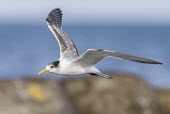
[150, 62]
[55, 17]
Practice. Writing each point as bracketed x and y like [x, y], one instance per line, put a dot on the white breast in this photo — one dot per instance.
[68, 68]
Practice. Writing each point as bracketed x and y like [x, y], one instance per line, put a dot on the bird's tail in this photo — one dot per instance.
[101, 75]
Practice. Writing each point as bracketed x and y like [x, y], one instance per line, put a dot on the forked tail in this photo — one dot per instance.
[101, 75]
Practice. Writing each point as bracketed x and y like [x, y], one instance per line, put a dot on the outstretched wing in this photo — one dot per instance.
[93, 56]
[68, 50]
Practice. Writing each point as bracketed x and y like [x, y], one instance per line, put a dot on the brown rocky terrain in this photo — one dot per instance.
[163, 96]
[120, 95]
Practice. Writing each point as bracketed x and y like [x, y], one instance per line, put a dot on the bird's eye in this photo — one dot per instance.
[51, 66]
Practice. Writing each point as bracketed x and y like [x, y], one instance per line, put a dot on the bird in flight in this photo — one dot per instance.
[70, 63]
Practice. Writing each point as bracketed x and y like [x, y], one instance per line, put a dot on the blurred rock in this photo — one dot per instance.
[120, 95]
[33, 97]
[163, 96]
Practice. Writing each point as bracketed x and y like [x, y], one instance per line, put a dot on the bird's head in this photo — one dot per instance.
[51, 67]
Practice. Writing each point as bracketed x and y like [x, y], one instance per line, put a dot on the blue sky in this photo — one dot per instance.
[88, 11]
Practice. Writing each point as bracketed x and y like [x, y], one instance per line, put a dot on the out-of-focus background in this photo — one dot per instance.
[140, 28]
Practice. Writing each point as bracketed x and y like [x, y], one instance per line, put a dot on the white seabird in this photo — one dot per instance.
[70, 63]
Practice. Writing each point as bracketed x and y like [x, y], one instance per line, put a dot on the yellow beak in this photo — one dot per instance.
[43, 71]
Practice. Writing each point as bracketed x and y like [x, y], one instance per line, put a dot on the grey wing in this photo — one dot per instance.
[68, 49]
[93, 56]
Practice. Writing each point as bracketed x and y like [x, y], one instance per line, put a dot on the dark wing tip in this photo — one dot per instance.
[47, 19]
[55, 17]
[154, 62]
[55, 10]
[158, 63]
[150, 62]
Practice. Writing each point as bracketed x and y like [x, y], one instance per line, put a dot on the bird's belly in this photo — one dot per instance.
[73, 70]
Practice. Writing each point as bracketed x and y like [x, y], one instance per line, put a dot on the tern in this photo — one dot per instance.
[70, 63]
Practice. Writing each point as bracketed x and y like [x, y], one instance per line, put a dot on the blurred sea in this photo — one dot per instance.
[26, 49]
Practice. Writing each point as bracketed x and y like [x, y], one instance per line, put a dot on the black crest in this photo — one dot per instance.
[55, 63]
